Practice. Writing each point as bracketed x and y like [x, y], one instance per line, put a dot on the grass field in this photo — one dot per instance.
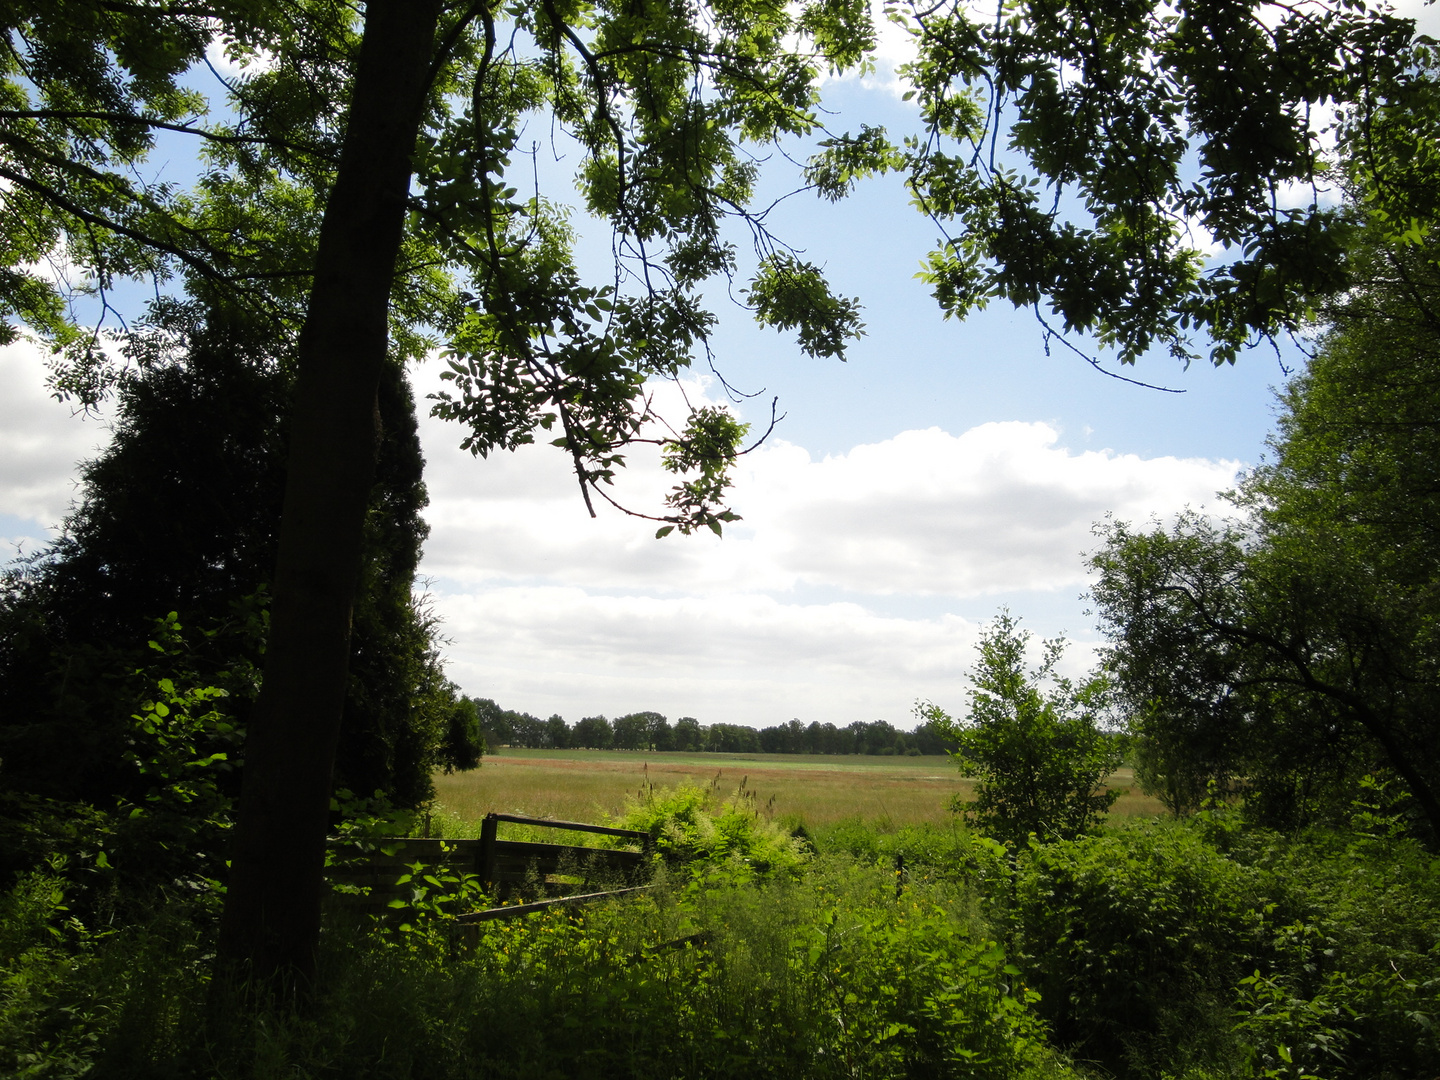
[591, 785]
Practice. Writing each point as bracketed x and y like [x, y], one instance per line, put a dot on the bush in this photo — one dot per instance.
[689, 823]
[818, 978]
[1136, 940]
[1032, 741]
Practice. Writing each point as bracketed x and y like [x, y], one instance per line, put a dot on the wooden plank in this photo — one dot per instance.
[579, 826]
[502, 863]
[513, 910]
[524, 849]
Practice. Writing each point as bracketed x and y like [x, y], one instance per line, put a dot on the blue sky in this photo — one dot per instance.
[946, 469]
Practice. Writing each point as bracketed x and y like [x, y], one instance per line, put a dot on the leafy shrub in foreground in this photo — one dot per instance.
[1135, 940]
[689, 823]
[1284, 956]
[1351, 985]
[825, 978]
[816, 979]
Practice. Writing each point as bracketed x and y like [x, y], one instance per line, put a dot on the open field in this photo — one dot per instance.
[589, 785]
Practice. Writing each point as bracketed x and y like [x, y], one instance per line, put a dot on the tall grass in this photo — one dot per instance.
[591, 785]
[714, 974]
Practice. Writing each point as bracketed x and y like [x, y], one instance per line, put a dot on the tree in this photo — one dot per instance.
[689, 735]
[464, 743]
[631, 732]
[1049, 108]
[1294, 650]
[592, 733]
[1037, 751]
[180, 513]
[660, 733]
[657, 100]
[557, 732]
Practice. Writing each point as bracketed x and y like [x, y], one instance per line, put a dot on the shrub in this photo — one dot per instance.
[1136, 940]
[688, 824]
[1032, 741]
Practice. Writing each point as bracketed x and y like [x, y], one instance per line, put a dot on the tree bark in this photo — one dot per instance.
[271, 923]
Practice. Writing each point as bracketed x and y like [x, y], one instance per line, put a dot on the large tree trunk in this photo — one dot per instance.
[271, 923]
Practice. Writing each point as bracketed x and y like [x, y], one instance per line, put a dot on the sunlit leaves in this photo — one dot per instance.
[1064, 141]
[792, 294]
[707, 447]
[845, 160]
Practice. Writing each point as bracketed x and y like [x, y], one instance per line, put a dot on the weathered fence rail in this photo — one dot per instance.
[372, 877]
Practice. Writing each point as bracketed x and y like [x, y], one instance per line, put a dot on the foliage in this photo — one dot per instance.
[1134, 940]
[1294, 650]
[1202, 949]
[1104, 105]
[464, 742]
[1037, 751]
[920, 853]
[1061, 148]
[1214, 949]
[833, 976]
[181, 513]
[689, 823]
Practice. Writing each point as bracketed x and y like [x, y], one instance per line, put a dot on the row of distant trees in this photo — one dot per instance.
[653, 731]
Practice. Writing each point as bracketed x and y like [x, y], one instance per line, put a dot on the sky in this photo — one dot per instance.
[944, 471]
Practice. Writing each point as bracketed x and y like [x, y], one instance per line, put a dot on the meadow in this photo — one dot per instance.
[809, 789]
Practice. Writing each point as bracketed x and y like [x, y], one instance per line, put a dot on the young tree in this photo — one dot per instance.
[1032, 741]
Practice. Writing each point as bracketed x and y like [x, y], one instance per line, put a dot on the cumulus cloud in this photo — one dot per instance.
[1000, 508]
[793, 612]
[41, 439]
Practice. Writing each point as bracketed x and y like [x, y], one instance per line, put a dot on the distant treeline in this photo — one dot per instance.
[652, 731]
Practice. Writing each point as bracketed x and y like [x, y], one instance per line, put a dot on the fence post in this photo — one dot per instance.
[488, 830]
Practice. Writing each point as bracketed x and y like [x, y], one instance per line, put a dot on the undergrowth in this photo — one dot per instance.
[1205, 950]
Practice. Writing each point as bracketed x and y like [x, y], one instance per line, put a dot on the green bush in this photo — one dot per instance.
[1136, 940]
[827, 977]
[1350, 986]
[713, 974]
[689, 823]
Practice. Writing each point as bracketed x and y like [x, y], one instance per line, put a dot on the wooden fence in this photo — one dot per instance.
[369, 875]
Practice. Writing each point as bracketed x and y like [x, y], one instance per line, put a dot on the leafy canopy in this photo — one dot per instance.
[1295, 650]
[1081, 157]
[663, 110]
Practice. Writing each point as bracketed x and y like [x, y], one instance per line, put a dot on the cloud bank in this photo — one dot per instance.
[854, 584]
[41, 442]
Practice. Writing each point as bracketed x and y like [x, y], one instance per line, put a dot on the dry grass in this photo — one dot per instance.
[591, 785]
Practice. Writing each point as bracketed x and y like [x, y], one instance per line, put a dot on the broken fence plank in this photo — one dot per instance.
[512, 910]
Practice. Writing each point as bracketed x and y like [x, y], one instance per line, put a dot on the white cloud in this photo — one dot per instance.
[999, 508]
[745, 658]
[41, 439]
[231, 62]
[792, 613]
